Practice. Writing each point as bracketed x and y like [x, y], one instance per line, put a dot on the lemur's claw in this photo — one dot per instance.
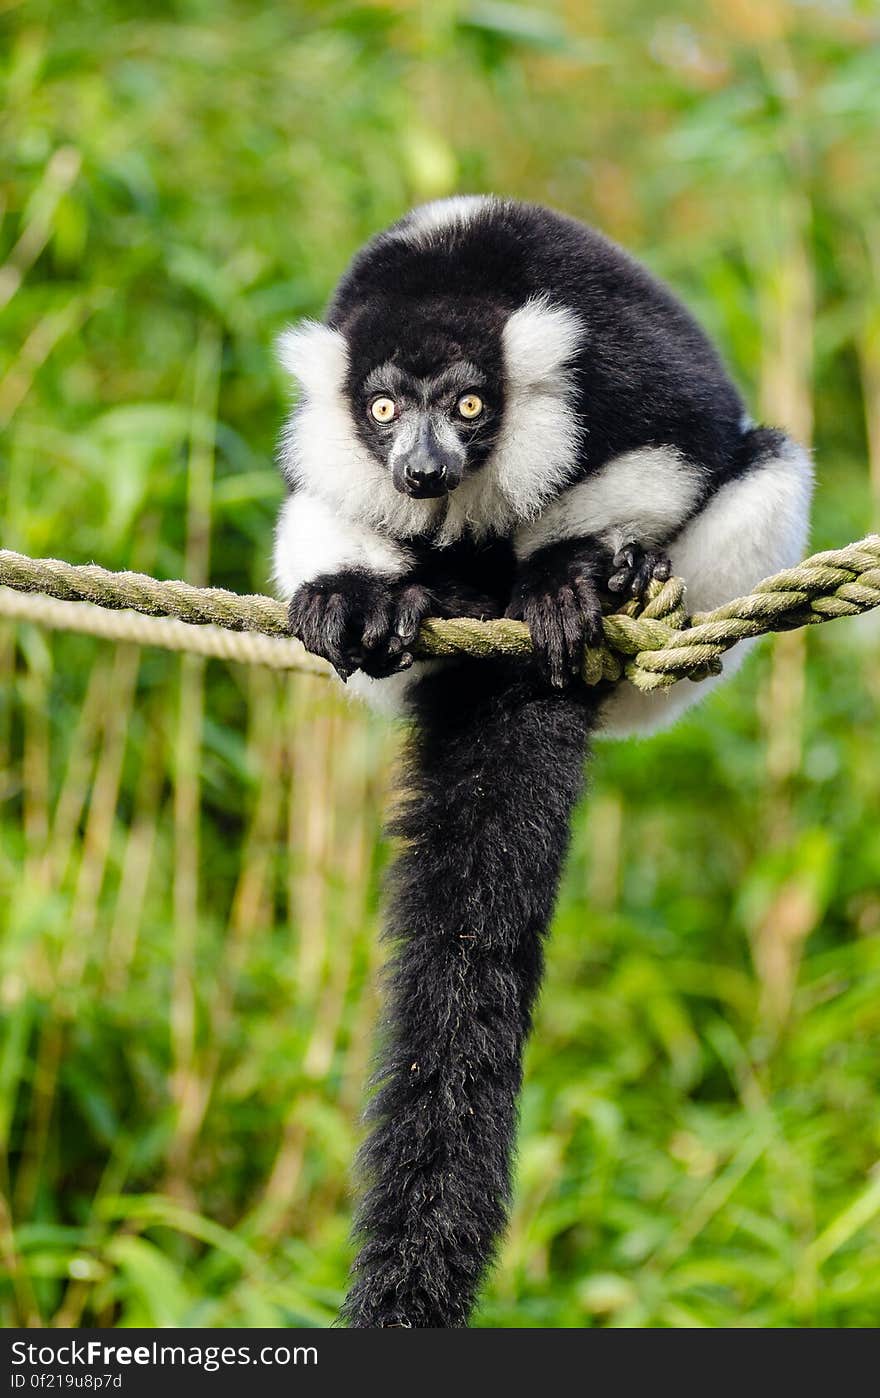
[636, 566]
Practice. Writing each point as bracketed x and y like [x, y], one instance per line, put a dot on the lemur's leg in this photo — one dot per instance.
[351, 595]
[624, 523]
[604, 532]
[752, 527]
[558, 592]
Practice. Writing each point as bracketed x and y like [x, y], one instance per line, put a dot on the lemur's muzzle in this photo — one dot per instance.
[425, 480]
[428, 467]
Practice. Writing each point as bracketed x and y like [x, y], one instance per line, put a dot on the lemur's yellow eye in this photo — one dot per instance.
[383, 409]
[470, 405]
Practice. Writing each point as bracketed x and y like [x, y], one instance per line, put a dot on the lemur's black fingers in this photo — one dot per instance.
[543, 615]
[571, 616]
[626, 563]
[591, 609]
[381, 647]
[413, 605]
[337, 635]
[515, 609]
[329, 625]
[562, 622]
[377, 625]
[389, 654]
[654, 564]
[391, 629]
[641, 577]
[379, 667]
[316, 620]
[635, 567]
[619, 581]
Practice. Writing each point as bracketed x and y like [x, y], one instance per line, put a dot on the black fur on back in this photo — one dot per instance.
[494, 770]
[647, 372]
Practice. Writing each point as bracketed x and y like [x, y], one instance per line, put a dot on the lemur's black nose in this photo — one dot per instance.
[425, 478]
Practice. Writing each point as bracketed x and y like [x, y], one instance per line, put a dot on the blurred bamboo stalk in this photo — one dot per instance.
[252, 904]
[85, 909]
[332, 883]
[606, 851]
[787, 304]
[311, 835]
[35, 752]
[187, 1090]
[135, 869]
[868, 348]
[75, 785]
[10, 1257]
[62, 170]
[46, 334]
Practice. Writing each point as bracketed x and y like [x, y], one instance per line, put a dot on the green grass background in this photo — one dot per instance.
[191, 854]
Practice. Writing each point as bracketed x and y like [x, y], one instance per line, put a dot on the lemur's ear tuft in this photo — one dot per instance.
[314, 354]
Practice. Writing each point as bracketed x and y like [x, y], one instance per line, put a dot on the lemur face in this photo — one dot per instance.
[426, 394]
[428, 430]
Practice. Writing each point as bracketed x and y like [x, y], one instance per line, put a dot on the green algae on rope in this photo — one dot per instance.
[652, 642]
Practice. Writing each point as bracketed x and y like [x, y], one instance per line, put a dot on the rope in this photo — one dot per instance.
[652, 643]
[214, 642]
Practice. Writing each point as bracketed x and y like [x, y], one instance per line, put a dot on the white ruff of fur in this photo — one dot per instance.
[537, 452]
[321, 451]
[754, 526]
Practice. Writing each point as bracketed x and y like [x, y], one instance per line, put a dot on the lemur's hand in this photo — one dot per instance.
[634, 566]
[359, 621]
[556, 594]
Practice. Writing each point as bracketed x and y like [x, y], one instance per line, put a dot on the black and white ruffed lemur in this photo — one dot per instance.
[502, 414]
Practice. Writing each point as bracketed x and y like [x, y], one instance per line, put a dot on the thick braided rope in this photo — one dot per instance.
[213, 642]
[652, 644]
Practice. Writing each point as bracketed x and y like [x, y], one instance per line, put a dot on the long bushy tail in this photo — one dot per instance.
[496, 766]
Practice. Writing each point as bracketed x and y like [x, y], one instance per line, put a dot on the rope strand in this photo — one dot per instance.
[652, 643]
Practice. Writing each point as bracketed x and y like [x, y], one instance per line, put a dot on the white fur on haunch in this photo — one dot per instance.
[311, 539]
[643, 494]
[753, 527]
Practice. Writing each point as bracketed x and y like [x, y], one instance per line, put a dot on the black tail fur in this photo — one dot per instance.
[495, 768]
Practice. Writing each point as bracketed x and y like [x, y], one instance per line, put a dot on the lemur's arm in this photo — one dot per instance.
[351, 593]
[357, 597]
